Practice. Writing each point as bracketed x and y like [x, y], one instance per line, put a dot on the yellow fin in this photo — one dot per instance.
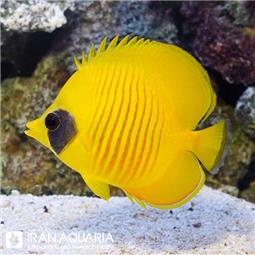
[123, 42]
[188, 75]
[99, 188]
[91, 53]
[140, 202]
[135, 199]
[77, 63]
[113, 43]
[212, 106]
[102, 46]
[129, 197]
[140, 41]
[209, 143]
[132, 41]
[183, 180]
[83, 58]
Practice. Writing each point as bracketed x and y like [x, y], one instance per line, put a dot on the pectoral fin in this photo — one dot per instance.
[99, 188]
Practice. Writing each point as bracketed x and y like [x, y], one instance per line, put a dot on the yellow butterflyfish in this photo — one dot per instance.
[128, 117]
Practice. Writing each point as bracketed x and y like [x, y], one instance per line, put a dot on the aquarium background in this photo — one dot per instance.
[39, 39]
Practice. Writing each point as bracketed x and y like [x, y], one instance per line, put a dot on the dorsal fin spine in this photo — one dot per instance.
[83, 58]
[101, 47]
[141, 41]
[77, 63]
[113, 42]
[123, 42]
[104, 48]
[91, 53]
[132, 41]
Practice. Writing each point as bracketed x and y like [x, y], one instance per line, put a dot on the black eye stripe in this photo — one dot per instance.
[61, 129]
[52, 121]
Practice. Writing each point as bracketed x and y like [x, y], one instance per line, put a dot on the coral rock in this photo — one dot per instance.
[222, 35]
[245, 111]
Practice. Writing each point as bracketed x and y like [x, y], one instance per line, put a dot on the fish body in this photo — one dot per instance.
[128, 116]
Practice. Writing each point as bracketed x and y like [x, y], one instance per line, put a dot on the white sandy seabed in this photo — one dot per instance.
[212, 223]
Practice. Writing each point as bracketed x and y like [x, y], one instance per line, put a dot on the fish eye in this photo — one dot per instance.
[52, 121]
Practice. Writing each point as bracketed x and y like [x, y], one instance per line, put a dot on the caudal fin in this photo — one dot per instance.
[209, 143]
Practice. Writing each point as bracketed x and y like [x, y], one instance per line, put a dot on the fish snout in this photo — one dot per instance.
[32, 126]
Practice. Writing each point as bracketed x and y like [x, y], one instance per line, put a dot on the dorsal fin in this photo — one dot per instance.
[101, 47]
[132, 41]
[140, 41]
[83, 58]
[104, 48]
[113, 43]
[91, 53]
[123, 42]
[77, 63]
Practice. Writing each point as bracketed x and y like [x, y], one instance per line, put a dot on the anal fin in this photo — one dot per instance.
[99, 188]
[134, 199]
[181, 182]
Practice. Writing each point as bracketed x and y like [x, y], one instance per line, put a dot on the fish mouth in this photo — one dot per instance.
[28, 131]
